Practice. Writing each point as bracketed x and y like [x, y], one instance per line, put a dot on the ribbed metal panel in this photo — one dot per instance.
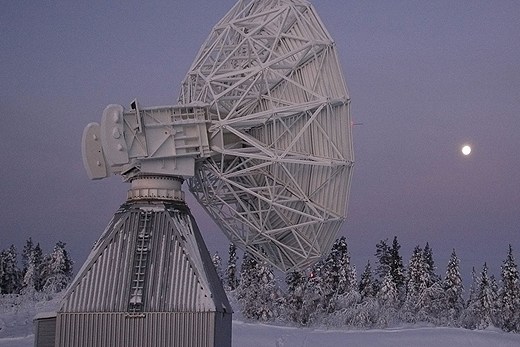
[157, 329]
[45, 331]
[173, 281]
[156, 247]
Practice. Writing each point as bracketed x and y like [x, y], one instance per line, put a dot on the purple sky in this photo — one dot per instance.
[425, 77]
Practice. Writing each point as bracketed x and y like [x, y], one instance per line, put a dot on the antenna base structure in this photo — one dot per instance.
[167, 188]
[149, 280]
[262, 136]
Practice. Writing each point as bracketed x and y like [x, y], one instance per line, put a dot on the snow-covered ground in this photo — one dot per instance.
[259, 335]
[16, 331]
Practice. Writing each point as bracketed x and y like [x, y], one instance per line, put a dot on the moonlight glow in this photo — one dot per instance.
[466, 150]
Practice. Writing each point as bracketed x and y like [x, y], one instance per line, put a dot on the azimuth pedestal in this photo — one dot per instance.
[149, 280]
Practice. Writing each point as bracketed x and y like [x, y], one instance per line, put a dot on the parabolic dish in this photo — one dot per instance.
[280, 129]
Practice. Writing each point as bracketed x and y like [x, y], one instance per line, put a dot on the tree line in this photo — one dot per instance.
[39, 272]
[387, 293]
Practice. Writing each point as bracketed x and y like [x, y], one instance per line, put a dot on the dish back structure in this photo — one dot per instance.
[278, 179]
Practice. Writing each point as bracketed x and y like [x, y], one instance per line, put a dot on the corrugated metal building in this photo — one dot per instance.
[45, 330]
[149, 282]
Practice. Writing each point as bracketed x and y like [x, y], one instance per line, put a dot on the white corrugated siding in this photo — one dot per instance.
[157, 329]
[183, 300]
[173, 282]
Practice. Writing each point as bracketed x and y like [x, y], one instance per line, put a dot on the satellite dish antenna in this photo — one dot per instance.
[279, 172]
[262, 135]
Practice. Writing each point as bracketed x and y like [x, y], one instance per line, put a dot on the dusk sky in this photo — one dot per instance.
[425, 78]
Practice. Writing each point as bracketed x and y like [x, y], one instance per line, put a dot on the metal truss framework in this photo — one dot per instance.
[278, 179]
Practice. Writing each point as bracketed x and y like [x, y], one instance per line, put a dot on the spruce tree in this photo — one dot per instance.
[426, 299]
[247, 274]
[430, 265]
[231, 269]
[27, 254]
[296, 282]
[454, 289]
[246, 291]
[486, 300]
[10, 279]
[469, 317]
[387, 294]
[258, 293]
[383, 259]
[32, 277]
[432, 305]
[388, 299]
[415, 285]
[217, 263]
[338, 274]
[473, 289]
[37, 263]
[396, 264]
[509, 295]
[315, 302]
[57, 269]
[366, 283]
[269, 295]
[390, 261]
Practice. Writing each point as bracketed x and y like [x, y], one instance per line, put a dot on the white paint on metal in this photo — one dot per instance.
[262, 133]
[270, 74]
[150, 268]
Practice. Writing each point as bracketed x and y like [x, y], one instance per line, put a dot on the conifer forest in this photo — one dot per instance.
[386, 293]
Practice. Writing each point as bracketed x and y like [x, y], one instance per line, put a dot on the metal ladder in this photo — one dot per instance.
[142, 249]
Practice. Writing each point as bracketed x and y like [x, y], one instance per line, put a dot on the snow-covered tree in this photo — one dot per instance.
[28, 285]
[26, 254]
[430, 265]
[9, 272]
[383, 259]
[37, 263]
[432, 305]
[388, 295]
[485, 304]
[396, 265]
[339, 275]
[32, 275]
[509, 295]
[315, 303]
[231, 269]
[366, 283]
[454, 289]
[293, 309]
[415, 284]
[473, 289]
[353, 311]
[246, 274]
[217, 263]
[469, 315]
[388, 299]
[390, 261]
[269, 296]
[258, 292]
[57, 269]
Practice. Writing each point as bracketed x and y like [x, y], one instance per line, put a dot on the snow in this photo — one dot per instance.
[16, 330]
[259, 335]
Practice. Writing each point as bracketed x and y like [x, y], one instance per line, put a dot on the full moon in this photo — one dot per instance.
[466, 150]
